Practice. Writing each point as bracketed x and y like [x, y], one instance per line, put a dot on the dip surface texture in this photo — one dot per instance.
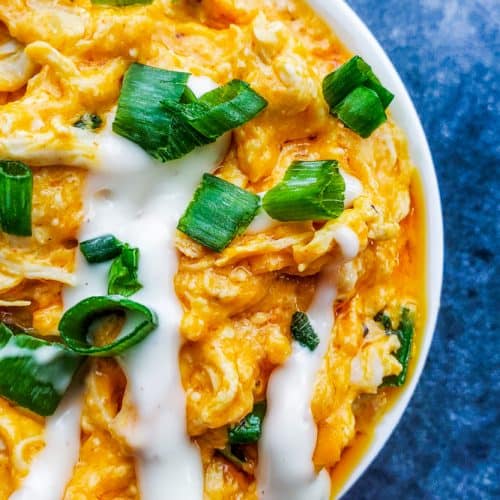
[223, 343]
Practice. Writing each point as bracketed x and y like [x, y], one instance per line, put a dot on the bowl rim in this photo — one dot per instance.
[356, 36]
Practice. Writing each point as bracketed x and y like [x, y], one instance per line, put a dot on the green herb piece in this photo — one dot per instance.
[303, 332]
[310, 190]
[16, 193]
[361, 111]
[80, 323]
[122, 277]
[142, 118]
[354, 73]
[88, 121]
[405, 332]
[218, 213]
[381, 317]
[101, 249]
[220, 110]
[357, 97]
[249, 429]
[34, 373]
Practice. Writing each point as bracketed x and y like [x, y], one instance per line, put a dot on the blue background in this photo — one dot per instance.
[447, 444]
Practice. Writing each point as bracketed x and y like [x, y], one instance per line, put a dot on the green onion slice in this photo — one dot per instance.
[121, 3]
[354, 73]
[101, 249]
[303, 332]
[222, 109]
[249, 429]
[34, 373]
[122, 277]
[218, 213]
[310, 190]
[361, 111]
[16, 192]
[142, 119]
[79, 325]
[88, 121]
[405, 332]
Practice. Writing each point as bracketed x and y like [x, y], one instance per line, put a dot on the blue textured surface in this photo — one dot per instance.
[447, 443]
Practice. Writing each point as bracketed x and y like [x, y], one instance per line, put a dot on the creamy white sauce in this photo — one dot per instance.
[353, 188]
[140, 201]
[262, 222]
[286, 470]
[51, 469]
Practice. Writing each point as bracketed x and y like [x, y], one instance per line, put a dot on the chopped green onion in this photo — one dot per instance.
[249, 429]
[355, 72]
[303, 332]
[142, 119]
[357, 97]
[361, 111]
[88, 121]
[310, 190]
[121, 3]
[221, 109]
[101, 249]
[34, 373]
[218, 213]
[386, 322]
[122, 277]
[80, 322]
[405, 332]
[16, 192]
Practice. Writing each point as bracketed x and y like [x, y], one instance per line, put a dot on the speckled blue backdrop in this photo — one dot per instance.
[447, 444]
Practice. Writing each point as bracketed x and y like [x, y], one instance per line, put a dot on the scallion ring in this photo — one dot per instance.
[80, 323]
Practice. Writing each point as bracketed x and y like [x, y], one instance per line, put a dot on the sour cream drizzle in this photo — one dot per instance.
[286, 448]
[51, 469]
[140, 201]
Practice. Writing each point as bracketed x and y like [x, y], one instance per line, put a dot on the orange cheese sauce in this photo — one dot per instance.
[69, 58]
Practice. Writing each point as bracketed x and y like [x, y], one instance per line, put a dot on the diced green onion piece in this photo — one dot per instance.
[88, 121]
[303, 332]
[77, 324]
[122, 277]
[354, 73]
[121, 3]
[218, 213]
[405, 332]
[16, 192]
[142, 119]
[361, 111]
[249, 429]
[34, 373]
[222, 109]
[386, 322]
[310, 190]
[101, 249]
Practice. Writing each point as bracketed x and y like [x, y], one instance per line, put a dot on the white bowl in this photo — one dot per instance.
[355, 35]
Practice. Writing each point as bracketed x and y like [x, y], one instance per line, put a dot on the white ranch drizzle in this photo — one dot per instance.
[140, 201]
[289, 434]
[51, 469]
